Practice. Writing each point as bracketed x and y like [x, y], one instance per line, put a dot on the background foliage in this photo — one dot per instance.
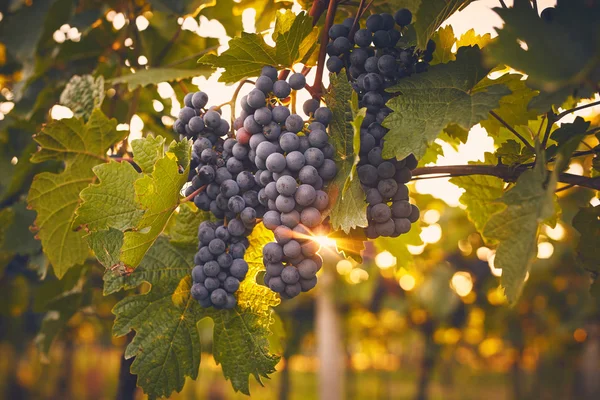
[111, 243]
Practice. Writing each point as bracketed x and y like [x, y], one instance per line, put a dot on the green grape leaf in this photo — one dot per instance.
[347, 198]
[245, 57]
[147, 151]
[249, 53]
[430, 16]
[296, 41]
[567, 139]
[111, 202]
[166, 346]
[159, 196]
[182, 150]
[587, 223]
[164, 261]
[153, 76]
[82, 94]
[138, 204]
[528, 203]
[512, 152]
[266, 11]
[512, 108]
[457, 132]
[55, 197]
[444, 39]
[543, 50]
[481, 196]
[427, 103]
[106, 246]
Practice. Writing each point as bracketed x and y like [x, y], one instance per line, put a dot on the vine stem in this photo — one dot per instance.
[505, 172]
[317, 88]
[194, 194]
[503, 4]
[513, 131]
[550, 117]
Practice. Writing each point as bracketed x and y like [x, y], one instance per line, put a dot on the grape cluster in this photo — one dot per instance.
[219, 264]
[375, 60]
[221, 173]
[195, 120]
[294, 162]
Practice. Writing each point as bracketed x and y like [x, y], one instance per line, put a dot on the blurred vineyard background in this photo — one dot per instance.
[428, 314]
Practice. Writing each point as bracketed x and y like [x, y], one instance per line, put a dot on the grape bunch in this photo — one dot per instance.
[221, 176]
[375, 60]
[219, 264]
[294, 162]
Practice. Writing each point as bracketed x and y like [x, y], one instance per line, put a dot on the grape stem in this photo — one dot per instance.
[194, 194]
[355, 24]
[317, 88]
[503, 4]
[234, 100]
[505, 172]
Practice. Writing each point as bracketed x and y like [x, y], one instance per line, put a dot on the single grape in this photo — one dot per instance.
[363, 37]
[338, 30]
[297, 81]
[185, 114]
[256, 98]
[289, 142]
[375, 23]
[292, 249]
[280, 114]
[276, 162]
[272, 220]
[269, 71]
[281, 89]
[285, 204]
[311, 217]
[290, 219]
[334, 64]
[323, 115]
[403, 17]
[290, 275]
[239, 268]
[294, 123]
[264, 84]
[295, 161]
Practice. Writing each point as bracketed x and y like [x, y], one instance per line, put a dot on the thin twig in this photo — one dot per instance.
[356, 24]
[194, 194]
[505, 172]
[535, 6]
[513, 131]
[572, 110]
[503, 4]
[551, 120]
